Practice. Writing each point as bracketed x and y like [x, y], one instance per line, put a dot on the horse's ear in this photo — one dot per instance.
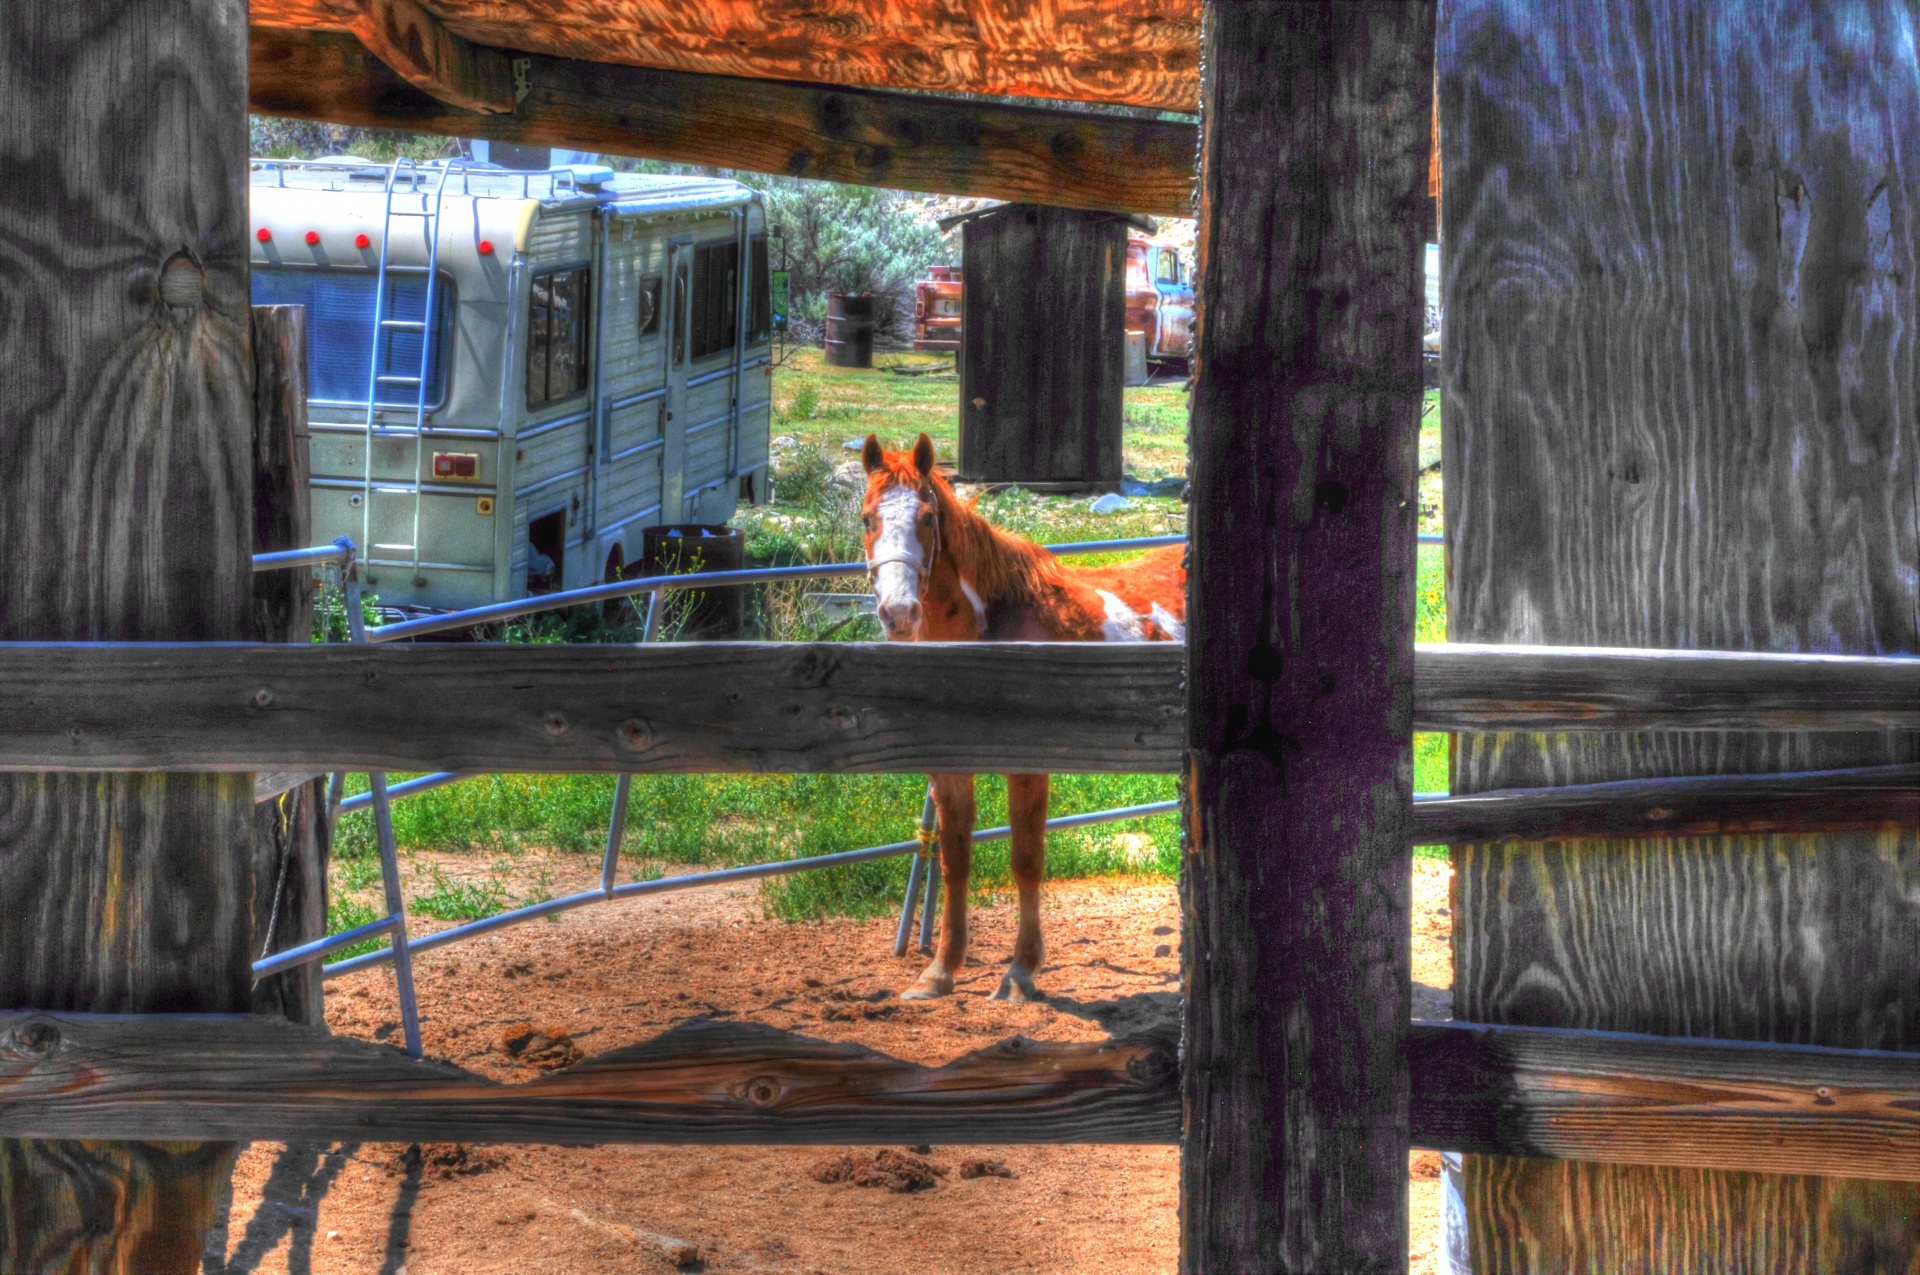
[923, 456]
[870, 455]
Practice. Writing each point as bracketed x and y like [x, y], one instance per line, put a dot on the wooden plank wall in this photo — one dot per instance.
[1306, 404]
[1041, 360]
[1680, 287]
[125, 508]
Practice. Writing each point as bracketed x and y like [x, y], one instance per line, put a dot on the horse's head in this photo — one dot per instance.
[902, 525]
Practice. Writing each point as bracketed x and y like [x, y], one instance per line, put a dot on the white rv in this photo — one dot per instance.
[511, 374]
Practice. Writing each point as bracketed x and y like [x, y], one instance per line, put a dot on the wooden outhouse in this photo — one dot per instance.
[1042, 363]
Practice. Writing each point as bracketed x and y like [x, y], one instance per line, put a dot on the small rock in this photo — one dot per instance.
[850, 476]
[1162, 930]
[680, 1252]
[984, 1169]
[1111, 503]
[1163, 950]
[333, 1235]
[784, 442]
[853, 445]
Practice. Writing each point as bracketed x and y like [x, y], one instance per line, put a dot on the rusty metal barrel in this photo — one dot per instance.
[850, 328]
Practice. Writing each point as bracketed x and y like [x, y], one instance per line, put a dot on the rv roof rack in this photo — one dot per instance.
[560, 182]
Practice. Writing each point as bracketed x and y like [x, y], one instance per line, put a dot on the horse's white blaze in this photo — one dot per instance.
[979, 609]
[1168, 625]
[1121, 624]
[896, 582]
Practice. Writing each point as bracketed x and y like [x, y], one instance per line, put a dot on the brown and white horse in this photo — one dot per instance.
[942, 574]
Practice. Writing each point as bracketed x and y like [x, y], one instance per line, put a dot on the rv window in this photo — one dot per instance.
[760, 309]
[340, 331]
[650, 305]
[716, 288]
[1169, 266]
[557, 333]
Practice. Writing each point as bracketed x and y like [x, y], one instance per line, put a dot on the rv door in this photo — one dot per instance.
[673, 428]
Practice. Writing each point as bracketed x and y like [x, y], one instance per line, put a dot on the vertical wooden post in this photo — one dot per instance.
[1306, 405]
[290, 828]
[1683, 410]
[125, 511]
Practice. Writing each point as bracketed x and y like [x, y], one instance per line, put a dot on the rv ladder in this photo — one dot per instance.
[384, 325]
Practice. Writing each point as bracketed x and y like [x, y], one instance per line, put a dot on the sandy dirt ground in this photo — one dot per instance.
[509, 1004]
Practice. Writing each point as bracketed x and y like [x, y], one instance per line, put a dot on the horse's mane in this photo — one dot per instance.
[998, 564]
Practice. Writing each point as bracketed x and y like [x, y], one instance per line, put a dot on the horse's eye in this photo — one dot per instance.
[868, 521]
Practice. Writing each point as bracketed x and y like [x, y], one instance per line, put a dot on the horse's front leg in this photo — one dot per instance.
[953, 798]
[1027, 816]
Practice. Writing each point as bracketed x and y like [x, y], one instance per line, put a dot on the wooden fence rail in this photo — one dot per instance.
[821, 707]
[1512, 1090]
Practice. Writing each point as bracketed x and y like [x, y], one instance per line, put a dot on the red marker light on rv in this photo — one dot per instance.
[264, 235]
[361, 241]
[313, 238]
[486, 247]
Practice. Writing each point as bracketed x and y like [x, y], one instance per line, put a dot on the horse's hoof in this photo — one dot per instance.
[932, 984]
[1018, 985]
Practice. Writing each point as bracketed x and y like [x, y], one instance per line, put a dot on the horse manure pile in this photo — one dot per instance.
[547, 1048]
[901, 1172]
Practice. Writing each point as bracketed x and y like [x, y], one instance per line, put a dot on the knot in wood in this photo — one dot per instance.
[764, 1091]
[556, 724]
[635, 734]
[183, 285]
[39, 1039]
[1152, 1068]
[262, 698]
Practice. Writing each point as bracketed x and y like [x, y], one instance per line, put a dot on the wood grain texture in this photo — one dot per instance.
[703, 1082]
[125, 415]
[290, 842]
[1472, 687]
[1041, 368]
[899, 140]
[1655, 1100]
[1680, 410]
[419, 49]
[1881, 799]
[790, 707]
[1300, 624]
[716, 706]
[1522, 1091]
[1133, 52]
[282, 502]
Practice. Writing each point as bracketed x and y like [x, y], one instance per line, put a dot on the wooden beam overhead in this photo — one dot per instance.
[900, 140]
[1127, 52]
[1538, 1092]
[420, 49]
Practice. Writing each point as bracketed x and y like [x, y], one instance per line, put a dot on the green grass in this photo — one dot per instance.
[678, 822]
[345, 914]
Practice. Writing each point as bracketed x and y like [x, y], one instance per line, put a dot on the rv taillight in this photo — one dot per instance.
[264, 235]
[313, 238]
[486, 247]
[361, 241]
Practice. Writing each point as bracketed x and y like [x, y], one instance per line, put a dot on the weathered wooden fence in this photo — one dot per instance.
[127, 1066]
